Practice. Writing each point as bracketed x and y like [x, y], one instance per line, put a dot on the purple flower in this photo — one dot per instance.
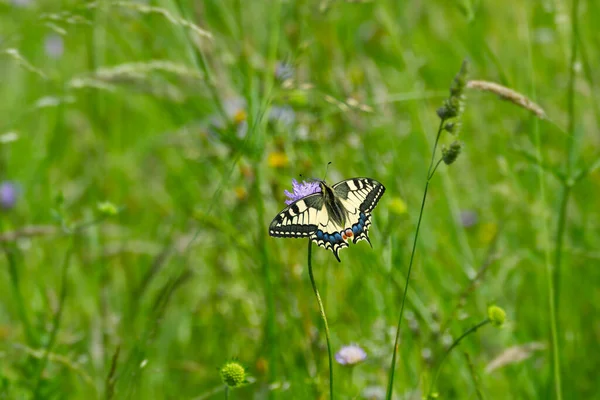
[21, 3]
[301, 190]
[8, 195]
[350, 355]
[468, 218]
[54, 46]
[282, 114]
[284, 71]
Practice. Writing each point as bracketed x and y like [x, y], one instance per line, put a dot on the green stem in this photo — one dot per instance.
[430, 173]
[226, 392]
[269, 292]
[560, 234]
[571, 139]
[57, 321]
[555, 380]
[13, 271]
[456, 343]
[323, 317]
[435, 168]
[564, 202]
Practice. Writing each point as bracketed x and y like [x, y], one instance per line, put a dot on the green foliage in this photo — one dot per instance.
[168, 130]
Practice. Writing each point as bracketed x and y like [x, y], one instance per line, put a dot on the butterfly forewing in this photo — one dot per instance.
[299, 219]
[308, 217]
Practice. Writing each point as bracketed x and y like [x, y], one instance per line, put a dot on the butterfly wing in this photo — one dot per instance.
[301, 218]
[308, 217]
[359, 196]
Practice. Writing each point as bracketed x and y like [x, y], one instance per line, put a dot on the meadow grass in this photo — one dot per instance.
[145, 147]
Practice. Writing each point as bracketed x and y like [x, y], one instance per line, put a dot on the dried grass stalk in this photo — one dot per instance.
[509, 95]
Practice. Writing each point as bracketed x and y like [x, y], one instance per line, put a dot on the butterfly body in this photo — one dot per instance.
[332, 216]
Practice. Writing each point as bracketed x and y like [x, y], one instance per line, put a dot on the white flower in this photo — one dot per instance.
[350, 355]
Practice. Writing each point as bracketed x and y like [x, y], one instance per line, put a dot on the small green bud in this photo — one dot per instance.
[452, 127]
[443, 112]
[497, 315]
[450, 154]
[297, 98]
[107, 208]
[460, 80]
[452, 107]
[233, 374]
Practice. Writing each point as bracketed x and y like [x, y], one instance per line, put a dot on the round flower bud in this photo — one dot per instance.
[496, 315]
[233, 374]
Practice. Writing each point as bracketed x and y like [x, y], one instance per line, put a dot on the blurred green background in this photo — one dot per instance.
[191, 117]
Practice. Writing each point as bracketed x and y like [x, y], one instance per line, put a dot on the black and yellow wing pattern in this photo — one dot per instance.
[333, 216]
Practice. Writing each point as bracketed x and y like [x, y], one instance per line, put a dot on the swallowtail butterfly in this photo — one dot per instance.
[332, 216]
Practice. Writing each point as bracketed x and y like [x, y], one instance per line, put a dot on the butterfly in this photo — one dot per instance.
[332, 216]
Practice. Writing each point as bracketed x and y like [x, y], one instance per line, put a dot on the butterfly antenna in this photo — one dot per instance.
[326, 169]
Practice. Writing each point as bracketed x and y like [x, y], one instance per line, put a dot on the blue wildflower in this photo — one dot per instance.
[21, 3]
[284, 71]
[301, 190]
[282, 114]
[468, 218]
[237, 116]
[54, 46]
[8, 195]
[350, 355]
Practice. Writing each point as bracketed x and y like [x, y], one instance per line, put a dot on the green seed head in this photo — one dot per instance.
[450, 154]
[233, 374]
[107, 208]
[452, 127]
[460, 80]
[497, 315]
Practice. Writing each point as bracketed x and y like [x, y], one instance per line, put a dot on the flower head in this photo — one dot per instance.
[497, 315]
[460, 80]
[277, 159]
[453, 105]
[283, 115]
[54, 46]
[468, 218]
[9, 193]
[450, 154]
[233, 374]
[107, 208]
[350, 355]
[284, 71]
[301, 190]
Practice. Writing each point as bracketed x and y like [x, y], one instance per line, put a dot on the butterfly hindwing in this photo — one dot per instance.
[349, 202]
[359, 196]
[330, 236]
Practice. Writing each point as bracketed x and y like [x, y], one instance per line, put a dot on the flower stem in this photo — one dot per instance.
[57, 321]
[430, 173]
[226, 392]
[573, 139]
[456, 343]
[323, 317]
